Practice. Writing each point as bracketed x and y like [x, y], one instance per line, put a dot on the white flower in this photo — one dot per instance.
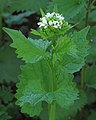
[51, 20]
[53, 14]
[55, 22]
[55, 26]
[42, 25]
[61, 18]
[44, 20]
[49, 15]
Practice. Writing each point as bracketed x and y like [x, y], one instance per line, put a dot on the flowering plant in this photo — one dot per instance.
[49, 64]
[53, 23]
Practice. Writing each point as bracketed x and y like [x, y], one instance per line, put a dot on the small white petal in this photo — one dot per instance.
[44, 20]
[61, 18]
[55, 26]
[58, 25]
[50, 22]
[42, 25]
[57, 14]
[52, 14]
[39, 23]
[48, 15]
[55, 22]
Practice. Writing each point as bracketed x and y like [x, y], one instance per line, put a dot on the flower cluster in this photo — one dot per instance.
[51, 19]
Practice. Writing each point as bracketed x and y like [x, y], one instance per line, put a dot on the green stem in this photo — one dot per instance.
[88, 7]
[87, 13]
[52, 111]
[82, 76]
[52, 106]
[1, 29]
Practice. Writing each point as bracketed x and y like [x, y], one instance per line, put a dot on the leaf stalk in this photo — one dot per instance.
[52, 111]
[1, 34]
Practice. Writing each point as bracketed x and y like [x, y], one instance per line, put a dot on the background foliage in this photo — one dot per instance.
[23, 15]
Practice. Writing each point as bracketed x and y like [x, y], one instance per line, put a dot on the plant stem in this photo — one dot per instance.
[82, 76]
[1, 35]
[52, 106]
[52, 111]
[87, 13]
[86, 23]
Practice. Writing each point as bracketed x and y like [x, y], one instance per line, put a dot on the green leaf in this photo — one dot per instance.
[44, 113]
[35, 32]
[92, 52]
[70, 52]
[80, 103]
[9, 64]
[78, 19]
[92, 16]
[4, 4]
[70, 112]
[92, 116]
[55, 9]
[6, 95]
[91, 96]
[81, 42]
[31, 5]
[31, 110]
[29, 50]
[65, 52]
[3, 113]
[66, 93]
[36, 86]
[69, 8]
[90, 76]
[42, 12]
